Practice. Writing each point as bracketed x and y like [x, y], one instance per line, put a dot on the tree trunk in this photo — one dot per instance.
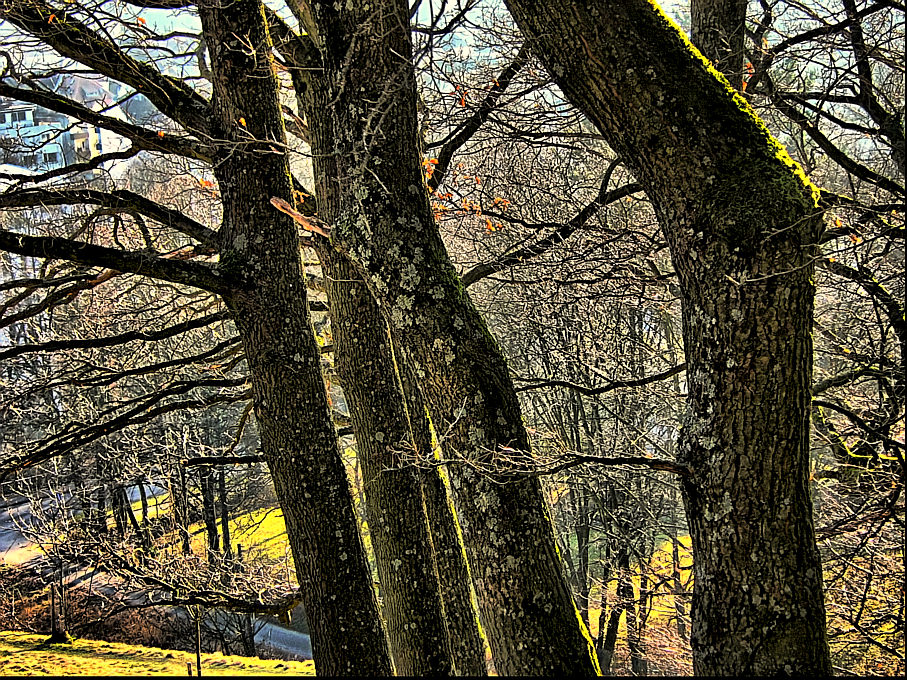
[411, 598]
[260, 253]
[718, 30]
[741, 223]
[181, 506]
[677, 590]
[224, 512]
[396, 516]
[209, 510]
[467, 644]
[609, 639]
[638, 664]
[385, 223]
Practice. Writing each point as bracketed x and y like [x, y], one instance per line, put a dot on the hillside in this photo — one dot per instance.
[26, 654]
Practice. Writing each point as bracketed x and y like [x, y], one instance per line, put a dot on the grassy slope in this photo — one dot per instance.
[25, 654]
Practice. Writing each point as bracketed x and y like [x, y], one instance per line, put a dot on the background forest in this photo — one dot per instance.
[145, 458]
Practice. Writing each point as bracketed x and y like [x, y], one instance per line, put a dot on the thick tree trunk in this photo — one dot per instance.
[386, 225]
[740, 220]
[638, 664]
[467, 645]
[396, 517]
[260, 253]
[718, 30]
[364, 361]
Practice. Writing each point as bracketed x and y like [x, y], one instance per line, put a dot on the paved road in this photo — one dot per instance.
[283, 640]
[15, 548]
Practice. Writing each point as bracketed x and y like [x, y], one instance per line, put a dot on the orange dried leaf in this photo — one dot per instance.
[242, 121]
[160, 133]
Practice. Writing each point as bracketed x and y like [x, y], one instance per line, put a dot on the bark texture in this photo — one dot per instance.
[718, 30]
[740, 220]
[467, 644]
[385, 224]
[363, 358]
[397, 523]
[260, 252]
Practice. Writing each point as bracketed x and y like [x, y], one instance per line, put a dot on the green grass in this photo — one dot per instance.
[262, 531]
[27, 654]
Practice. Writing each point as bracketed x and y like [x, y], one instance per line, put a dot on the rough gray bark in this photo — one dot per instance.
[467, 645]
[260, 253]
[741, 223]
[718, 30]
[412, 608]
[385, 224]
[397, 523]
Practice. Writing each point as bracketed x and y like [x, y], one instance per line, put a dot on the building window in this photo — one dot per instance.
[52, 157]
[15, 116]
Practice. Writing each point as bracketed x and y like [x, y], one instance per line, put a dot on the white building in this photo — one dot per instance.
[35, 137]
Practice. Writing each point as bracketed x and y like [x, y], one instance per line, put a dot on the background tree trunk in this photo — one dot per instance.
[718, 30]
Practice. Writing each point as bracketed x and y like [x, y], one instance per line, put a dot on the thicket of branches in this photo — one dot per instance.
[116, 384]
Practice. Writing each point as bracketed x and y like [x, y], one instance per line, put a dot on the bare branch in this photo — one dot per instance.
[71, 38]
[153, 265]
[142, 138]
[131, 336]
[464, 133]
[537, 383]
[119, 199]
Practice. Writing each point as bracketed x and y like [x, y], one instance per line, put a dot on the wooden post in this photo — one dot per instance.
[198, 641]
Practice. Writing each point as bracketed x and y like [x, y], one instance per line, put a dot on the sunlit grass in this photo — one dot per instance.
[27, 654]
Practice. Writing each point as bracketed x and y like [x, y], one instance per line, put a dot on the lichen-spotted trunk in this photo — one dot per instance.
[386, 226]
[260, 254]
[740, 219]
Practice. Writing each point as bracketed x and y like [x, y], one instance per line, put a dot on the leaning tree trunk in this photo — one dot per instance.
[396, 518]
[386, 225]
[412, 608]
[260, 253]
[740, 219]
[362, 342]
[467, 646]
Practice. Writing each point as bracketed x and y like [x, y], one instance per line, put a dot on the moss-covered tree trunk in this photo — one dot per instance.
[386, 225]
[260, 252]
[741, 224]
